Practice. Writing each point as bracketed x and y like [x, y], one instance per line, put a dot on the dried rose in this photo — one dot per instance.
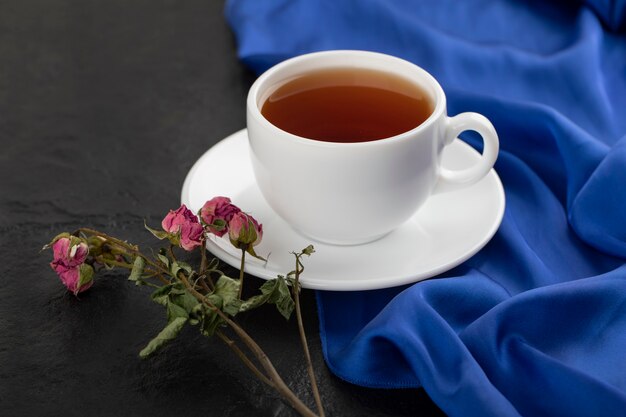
[69, 250]
[69, 255]
[184, 228]
[191, 235]
[174, 219]
[76, 279]
[216, 213]
[245, 232]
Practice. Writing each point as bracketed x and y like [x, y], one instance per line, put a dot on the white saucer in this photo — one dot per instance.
[447, 230]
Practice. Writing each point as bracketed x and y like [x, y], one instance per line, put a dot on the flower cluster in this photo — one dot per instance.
[221, 217]
[204, 297]
[218, 216]
[68, 261]
[181, 227]
[217, 213]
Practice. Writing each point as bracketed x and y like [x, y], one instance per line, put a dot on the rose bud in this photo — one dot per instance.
[69, 255]
[216, 213]
[76, 279]
[245, 232]
[69, 250]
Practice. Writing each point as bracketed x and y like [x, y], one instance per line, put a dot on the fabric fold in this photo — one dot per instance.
[597, 214]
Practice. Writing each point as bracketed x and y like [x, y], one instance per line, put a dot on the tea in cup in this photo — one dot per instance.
[346, 145]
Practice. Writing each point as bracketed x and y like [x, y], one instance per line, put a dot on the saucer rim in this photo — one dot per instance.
[256, 268]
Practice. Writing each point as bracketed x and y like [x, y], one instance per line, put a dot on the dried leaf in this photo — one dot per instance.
[137, 271]
[168, 333]
[161, 295]
[159, 234]
[228, 290]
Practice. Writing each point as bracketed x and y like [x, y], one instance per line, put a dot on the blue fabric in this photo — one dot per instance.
[535, 323]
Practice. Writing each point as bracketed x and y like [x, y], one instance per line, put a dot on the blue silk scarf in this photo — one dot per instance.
[535, 323]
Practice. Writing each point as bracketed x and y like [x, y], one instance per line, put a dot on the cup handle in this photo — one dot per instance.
[450, 180]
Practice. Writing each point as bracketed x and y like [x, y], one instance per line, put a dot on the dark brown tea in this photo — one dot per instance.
[347, 105]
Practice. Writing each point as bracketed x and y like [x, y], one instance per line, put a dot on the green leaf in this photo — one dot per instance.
[184, 300]
[85, 275]
[254, 302]
[225, 297]
[175, 311]
[168, 333]
[210, 322]
[291, 282]
[228, 290]
[161, 295]
[267, 289]
[137, 271]
[197, 314]
[284, 302]
[251, 251]
[178, 266]
[162, 255]
[275, 291]
[216, 300]
[159, 234]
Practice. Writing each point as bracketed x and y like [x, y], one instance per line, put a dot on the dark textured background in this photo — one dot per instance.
[104, 107]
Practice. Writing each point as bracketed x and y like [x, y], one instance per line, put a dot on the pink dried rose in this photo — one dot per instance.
[76, 279]
[174, 219]
[216, 213]
[191, 235]
[184, 228]
[245, 232]
[69, 255]
[69, 250]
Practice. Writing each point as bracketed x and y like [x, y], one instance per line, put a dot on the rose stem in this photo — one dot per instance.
[278, 383]
[305, 347]
[241, 268]
[231, 344]
[129, 266]
[203, 266]
[131, 248]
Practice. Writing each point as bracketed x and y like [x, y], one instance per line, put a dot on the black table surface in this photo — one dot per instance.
[104, 107]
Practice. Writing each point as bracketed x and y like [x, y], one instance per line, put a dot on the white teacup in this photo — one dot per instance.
[352, 193]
